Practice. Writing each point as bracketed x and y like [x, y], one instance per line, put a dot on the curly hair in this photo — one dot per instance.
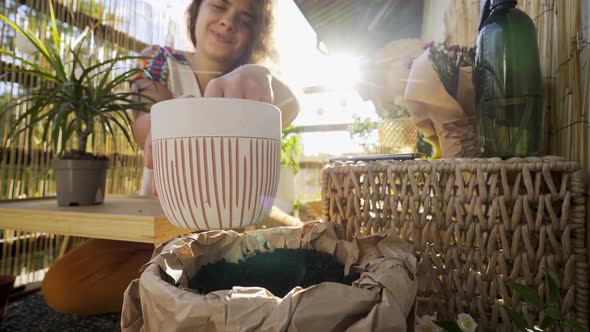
[261, 45]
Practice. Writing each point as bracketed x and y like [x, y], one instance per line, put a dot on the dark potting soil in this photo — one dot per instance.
[81, 155]
[279, 272]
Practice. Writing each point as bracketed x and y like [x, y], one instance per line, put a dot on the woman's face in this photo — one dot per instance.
[224, 29]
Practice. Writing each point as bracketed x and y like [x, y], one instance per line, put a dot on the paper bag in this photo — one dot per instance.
[447, 123]
[382, 299]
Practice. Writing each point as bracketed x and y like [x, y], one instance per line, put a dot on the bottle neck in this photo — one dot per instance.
[502, 4]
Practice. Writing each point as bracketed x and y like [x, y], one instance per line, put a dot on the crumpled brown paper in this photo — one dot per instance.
[382, 299]
[448, 124]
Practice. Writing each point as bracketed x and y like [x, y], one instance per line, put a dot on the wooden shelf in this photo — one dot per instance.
[128, 218]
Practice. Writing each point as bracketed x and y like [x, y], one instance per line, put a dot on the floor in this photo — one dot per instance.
[31, 313]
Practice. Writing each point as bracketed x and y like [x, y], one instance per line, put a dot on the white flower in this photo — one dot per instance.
[426, 324]
[466, 322]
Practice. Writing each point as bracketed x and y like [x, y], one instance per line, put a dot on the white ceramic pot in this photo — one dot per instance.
[216, 160]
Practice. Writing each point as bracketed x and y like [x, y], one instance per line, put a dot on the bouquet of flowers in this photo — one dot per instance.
[448, 61]
[440, 96]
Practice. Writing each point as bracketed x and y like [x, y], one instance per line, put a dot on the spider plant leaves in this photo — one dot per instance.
[77, 94]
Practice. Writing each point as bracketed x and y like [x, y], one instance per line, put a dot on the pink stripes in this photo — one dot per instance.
[251, 169]
[200, 191]
[257, 161]
[244, 192]
[231, 190]
[265, 166]
[181, 199]
[223, 171]
[197, 178]
[214, 172]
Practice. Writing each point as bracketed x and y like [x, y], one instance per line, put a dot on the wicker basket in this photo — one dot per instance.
[475, 224]
[398, 136]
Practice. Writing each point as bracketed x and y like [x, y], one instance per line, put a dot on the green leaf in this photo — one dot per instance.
[121, 79]
[58, 65]
[517, 318]
[45, 131]
[574, 325]
[528, 294]
[554, 312]
[105, 76]
[90, 69]
[54, 33]
[31, 37]
[61, 111]
[76, 61]
[448, 325]
[104, 132]
[552, 289]
[32, 72]
[546, 322]
[111, 132]
[124, 129]
[39, 72]
[69, 131]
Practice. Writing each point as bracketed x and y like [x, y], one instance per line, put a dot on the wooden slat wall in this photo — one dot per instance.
[565, 65]
[24, 167]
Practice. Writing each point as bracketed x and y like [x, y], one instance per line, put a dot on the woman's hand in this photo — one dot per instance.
[252, 82]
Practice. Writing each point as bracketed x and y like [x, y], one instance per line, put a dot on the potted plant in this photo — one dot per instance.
[76, 95]
[397, 131]
[546, 312]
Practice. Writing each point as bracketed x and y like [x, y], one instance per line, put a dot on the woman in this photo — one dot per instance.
[229, 36]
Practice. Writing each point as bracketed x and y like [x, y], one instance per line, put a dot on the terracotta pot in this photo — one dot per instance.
[216, 161]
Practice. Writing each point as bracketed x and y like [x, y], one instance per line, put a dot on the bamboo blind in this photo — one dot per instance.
[126, 25]
[565, 66]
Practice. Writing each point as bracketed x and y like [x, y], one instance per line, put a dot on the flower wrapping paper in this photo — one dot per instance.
[447, 123]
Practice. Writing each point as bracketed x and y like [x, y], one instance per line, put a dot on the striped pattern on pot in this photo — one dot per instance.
[216, 182]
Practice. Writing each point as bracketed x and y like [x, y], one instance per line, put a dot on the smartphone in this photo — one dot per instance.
[401, 156]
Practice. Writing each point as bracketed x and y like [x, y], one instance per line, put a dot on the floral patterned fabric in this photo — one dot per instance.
[156, 63]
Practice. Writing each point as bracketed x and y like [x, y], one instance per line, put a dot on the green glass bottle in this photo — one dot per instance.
[507, 80]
